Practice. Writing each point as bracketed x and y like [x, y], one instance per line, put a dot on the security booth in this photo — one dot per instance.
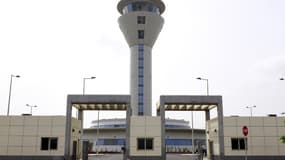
[215, 151]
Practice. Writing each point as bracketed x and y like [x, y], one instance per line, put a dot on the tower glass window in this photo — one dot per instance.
[140, 79]
[141, 19]
[140, 34]
[140, 73]
[141, 6]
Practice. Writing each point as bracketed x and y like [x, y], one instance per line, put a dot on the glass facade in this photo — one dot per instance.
[168, 142]
[167, 126]
[141, 6]
[111, 142]
[140, 79]
[178, 142]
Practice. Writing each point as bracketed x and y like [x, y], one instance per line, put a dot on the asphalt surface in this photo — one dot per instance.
[120, 157]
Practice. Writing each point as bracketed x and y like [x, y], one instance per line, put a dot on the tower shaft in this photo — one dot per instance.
[141, 24]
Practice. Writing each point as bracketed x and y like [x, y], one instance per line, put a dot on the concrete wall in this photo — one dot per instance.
[21, 135]
[149, 127]
[263, 137]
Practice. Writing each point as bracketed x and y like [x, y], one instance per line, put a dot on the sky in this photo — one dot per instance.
[238, 45]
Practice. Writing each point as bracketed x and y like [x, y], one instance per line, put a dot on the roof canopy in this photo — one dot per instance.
[99, 102]
[189, 103]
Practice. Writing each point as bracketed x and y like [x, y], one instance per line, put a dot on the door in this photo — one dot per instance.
[74, 150]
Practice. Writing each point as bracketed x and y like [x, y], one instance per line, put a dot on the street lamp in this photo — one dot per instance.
[84, 79]
[84, 83]
[34, 106]
[10, 90]
[250, 109]
[204, 79]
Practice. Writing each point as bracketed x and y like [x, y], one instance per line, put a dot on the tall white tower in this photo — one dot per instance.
[141, 22]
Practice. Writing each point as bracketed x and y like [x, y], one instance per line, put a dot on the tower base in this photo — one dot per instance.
[145, 138]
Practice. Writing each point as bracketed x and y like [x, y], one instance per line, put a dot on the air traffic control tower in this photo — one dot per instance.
[141, 23]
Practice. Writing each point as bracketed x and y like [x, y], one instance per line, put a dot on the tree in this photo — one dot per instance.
[283, 137]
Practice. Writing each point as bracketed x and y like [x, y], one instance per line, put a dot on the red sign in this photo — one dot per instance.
[245, 130]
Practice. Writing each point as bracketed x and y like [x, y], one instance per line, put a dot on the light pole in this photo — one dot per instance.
[10, 90]
[204, 79]
[84, 79]
[32, 106]
[250, 109]
[282, 79]
[207, 82]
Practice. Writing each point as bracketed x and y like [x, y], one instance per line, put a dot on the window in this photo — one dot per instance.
[140, 55]
[45, 144]
[140, 108]
[140, 63]
[140, 90]
[140, 74]
[140, 99]
[141, 19]
[239, 143]
[53, 143]
[140, 34]
[141, 47]
[49, 143]
[140, 81]
[178, 142]
[111, 142]
[145, 143]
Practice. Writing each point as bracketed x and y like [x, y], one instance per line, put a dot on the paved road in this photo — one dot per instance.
[120, 157]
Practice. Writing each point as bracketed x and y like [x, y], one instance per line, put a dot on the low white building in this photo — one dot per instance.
[112, 135]
[262, 142]
[36, 137]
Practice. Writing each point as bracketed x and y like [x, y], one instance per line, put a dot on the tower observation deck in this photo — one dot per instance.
[141, 23]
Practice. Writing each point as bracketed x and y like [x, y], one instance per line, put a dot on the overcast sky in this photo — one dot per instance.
[53, 44]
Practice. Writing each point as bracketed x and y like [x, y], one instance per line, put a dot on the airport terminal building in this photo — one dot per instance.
[112, 135]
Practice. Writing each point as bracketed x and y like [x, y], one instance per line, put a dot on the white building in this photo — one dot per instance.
[262, 142]
[36, 137]
[112, 136]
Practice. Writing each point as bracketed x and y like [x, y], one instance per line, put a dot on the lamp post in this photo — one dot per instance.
[32, 106]
[204, 79]
[207, 82]
[250, 109]
[10, 90]
[84, 79]
[282, 79]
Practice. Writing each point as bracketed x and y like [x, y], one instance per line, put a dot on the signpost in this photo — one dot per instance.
[245, 133]
[245, 130]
